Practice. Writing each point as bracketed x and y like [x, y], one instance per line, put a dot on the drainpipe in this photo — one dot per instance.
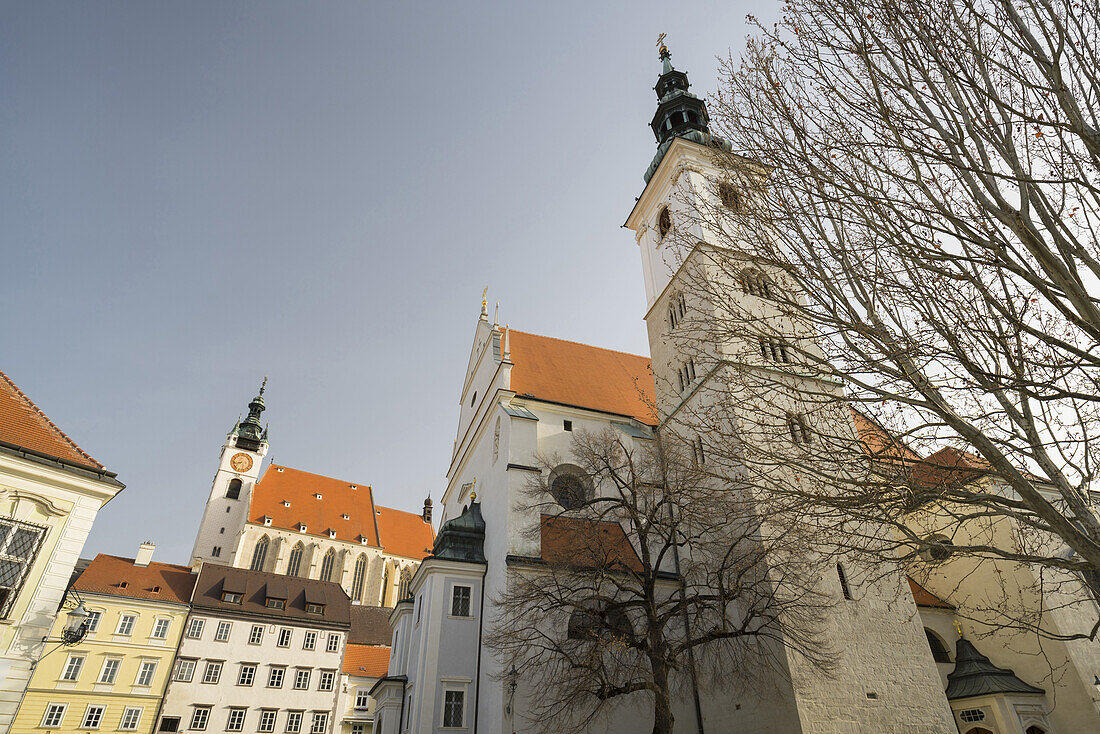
[480, 629]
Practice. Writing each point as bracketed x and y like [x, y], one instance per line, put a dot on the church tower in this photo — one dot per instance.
[694, 228]
[238, 469]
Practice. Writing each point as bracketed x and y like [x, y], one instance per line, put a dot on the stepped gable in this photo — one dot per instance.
[22, 424]
[117, 576]
[281, 484]
[579, 375]
[369, 661]
[370, 625]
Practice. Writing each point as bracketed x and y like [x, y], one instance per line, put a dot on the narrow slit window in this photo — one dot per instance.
[844, 587]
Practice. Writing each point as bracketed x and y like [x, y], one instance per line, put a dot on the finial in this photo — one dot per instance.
[662, 49]
[473, 490]
[496, 314]
[263, 385]
[958, 628]
[485, 304]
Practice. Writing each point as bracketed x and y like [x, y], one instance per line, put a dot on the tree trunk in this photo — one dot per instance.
[662, 707]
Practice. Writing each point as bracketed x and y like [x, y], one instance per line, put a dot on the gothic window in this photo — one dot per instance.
[403, 588]
[687, 375]
[844, 587]
[697, 451]
[730, 196]
[755, 283]
[677, 309]
[773, 350]
[233, 491]
[800, 431]
[359, 577]
[294, 565]
[603, 623]
[385, 586]
[1036, 730]
[326, 565]
[938, 648]
[569, 486]
[664, 222]
[259, 555]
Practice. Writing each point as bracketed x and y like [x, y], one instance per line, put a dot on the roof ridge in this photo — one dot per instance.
[394, 509]
[179, 566]
[315, 474]
[581, 344]
[46, 418]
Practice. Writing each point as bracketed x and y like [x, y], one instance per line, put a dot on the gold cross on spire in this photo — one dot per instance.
[661, 47]
[958, 628]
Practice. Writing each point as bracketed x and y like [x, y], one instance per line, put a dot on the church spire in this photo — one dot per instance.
[250, 434]
[680, 114]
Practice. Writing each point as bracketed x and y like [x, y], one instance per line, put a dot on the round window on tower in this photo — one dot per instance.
[570, 486]
[938, 549]
[664, 222]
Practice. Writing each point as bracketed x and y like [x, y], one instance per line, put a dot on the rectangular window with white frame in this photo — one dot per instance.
[200, 718]
[19, 546]
[320, 722]
[267, 720]
[284, 637]
[454, 708]
[256, 636]
[294, 721]
[93, 716]
[333, 642]
[54, 715]
[276, 676]
[222, 634]
[109, 671]
[93, 620]
[185, 670]
[362, 699]
[160, 629]
[460, 601]
[326, 680]
[194, 628]
[131, 717]
[247, 674]
[213, 671]
[235, 721]
[301, 678]
[145, 673]
[126, 625]
[73, 666]
[309, 641]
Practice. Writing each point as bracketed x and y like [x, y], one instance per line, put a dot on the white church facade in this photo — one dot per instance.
[525, 395]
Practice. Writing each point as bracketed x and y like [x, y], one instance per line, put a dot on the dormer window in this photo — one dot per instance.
[363, 539]
[332, 534]
[232, 597]
[315, 608]
[267, 520]
[301, 527]
[317, 495]
[155, 589]
[346, 516]
[273, 603]
[279, 469]
[286, 503]
[354, 486]
[123, 584]
[664, 220]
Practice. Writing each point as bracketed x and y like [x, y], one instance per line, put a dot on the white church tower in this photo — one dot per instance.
[885, 680]
[238, 469]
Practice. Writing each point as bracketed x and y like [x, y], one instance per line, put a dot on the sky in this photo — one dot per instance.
[194, 195]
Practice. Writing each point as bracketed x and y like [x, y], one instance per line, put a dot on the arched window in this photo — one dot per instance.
[233, 491]
[385, 586]
[259, 555]
[664, 222]
[1036, 730]
[590, 624]
[358, 578]
[569, 486]
[403, 588]
[327, 564]
[294, 565]
[939, 649]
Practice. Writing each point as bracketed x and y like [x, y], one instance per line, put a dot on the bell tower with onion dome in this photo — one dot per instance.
[226, 510]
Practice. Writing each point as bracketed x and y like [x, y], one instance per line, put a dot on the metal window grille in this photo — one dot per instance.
[452, 707]
[19, 545]
[460, 601]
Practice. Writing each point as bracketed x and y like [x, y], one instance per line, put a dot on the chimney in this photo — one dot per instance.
[145, 553]
[427, 510]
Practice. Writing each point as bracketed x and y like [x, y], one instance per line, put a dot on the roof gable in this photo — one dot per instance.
[569, 373]
[24, 425]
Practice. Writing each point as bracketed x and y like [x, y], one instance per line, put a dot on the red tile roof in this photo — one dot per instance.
[879, 442]
[560, 371]
[395, 531]
[405, 533]
[586, 543]
[925, 598]
[106, 574]
[23, 424]
[281, 484]
[949, 466]
[370, 661]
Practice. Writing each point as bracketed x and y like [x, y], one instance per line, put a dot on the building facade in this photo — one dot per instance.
[114, 678]
[50, 493]
[260, 652]
[366, 661]
[297, 523]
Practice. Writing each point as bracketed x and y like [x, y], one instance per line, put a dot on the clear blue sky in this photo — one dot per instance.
[197, 194]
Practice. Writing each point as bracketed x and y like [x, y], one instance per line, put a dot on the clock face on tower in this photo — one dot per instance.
[241, 462]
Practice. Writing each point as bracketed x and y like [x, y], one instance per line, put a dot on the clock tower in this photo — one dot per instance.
[230, 494]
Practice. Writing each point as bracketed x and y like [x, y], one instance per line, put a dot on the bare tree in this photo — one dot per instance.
[652, 578]
[917, 216]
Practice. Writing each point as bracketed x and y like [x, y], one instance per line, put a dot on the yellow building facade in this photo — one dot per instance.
[114, 678]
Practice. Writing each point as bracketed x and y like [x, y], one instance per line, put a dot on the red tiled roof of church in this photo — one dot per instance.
[583, 376]
[925, 598]
[586, 543]
[397, 532]
[24, 425]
